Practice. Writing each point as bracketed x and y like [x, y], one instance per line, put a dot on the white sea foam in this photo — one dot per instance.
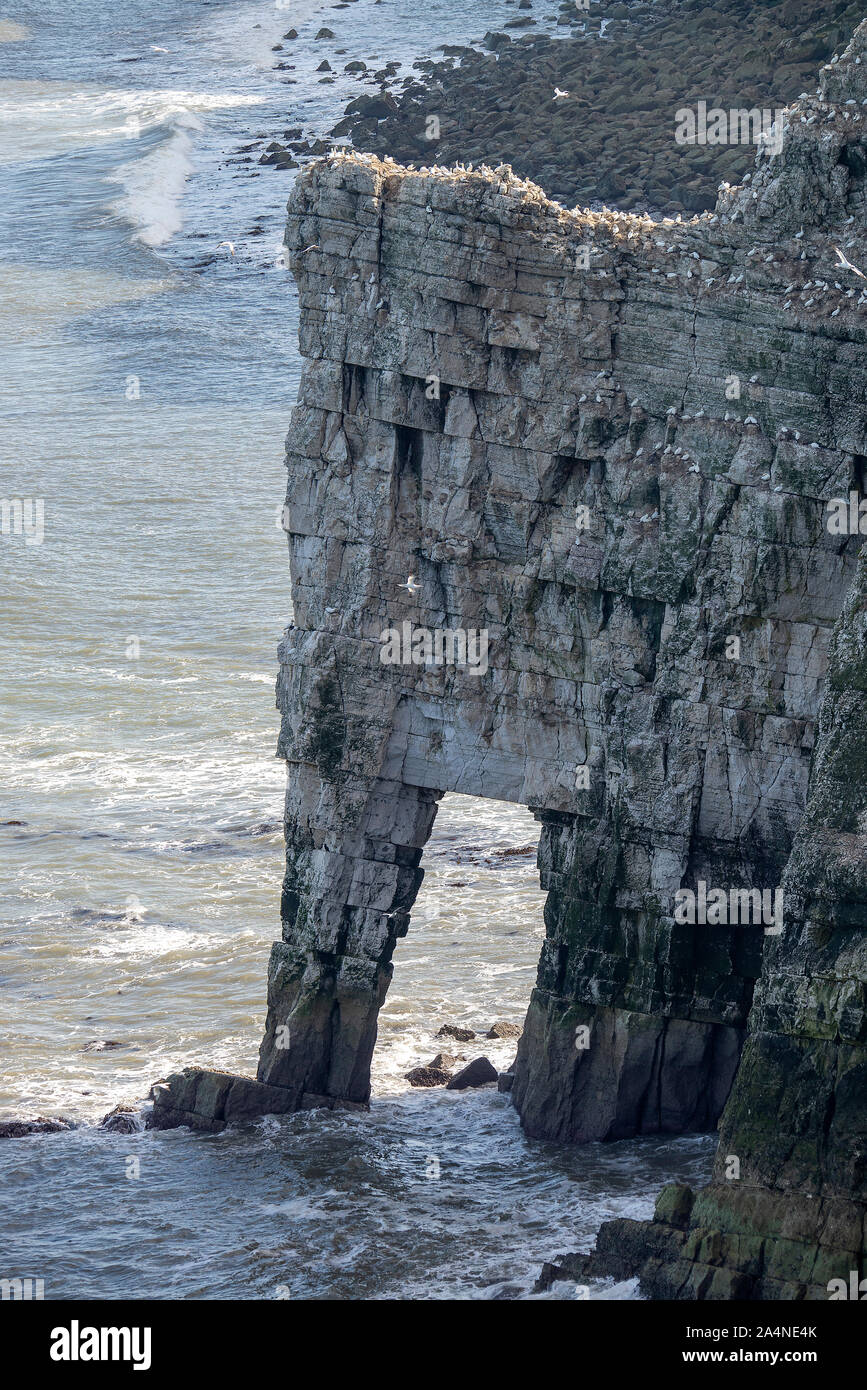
[154, 185]
[41, 120]
[132, 940]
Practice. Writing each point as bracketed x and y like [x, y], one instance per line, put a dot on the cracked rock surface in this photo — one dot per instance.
[608, 444]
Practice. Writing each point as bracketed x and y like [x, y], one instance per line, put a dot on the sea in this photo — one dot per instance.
[148, 366]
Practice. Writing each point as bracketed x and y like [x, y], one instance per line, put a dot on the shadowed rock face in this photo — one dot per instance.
[795, 1129]
[607, 445]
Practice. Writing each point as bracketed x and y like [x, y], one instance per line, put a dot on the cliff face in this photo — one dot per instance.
[603, 447]
[786, 1210]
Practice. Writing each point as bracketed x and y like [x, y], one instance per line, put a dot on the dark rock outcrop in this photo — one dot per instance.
[123, 1119]
[21, 1129]
[479, 1072]
[212, 1100]
[429, 1076]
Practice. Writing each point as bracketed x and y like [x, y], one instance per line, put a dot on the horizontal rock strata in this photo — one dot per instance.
[213, 1100]
[785, 1212]
[608, 445]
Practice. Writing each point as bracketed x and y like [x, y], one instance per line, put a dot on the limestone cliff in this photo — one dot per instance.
[785, 1212]
[609, 445]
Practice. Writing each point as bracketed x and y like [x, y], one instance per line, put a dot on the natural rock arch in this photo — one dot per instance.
[469, 388]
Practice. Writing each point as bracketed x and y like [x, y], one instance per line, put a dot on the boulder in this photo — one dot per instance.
[502, 1029]
[428, 1076]
[449, 1030]
[212, 1100]
[123, 1119]
[477, 1073]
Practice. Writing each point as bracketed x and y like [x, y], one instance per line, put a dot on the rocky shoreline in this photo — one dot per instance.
[204, 1098]
[624, 70]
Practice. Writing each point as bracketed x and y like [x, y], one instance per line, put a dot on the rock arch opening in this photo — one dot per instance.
[470, 956]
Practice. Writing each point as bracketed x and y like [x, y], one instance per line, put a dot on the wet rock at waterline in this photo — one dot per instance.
[477, 1073]
[444, 1059]
[278, 155]
[436, 1072]
[503, 1029]
[21, 1129]
[211, 1100]
[449, 1030]
[123, 1119]
[428, 1076]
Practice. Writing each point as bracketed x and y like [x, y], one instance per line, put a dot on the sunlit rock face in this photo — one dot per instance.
[602, 450]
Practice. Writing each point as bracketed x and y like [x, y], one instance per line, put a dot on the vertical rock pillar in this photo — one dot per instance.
[350, 882]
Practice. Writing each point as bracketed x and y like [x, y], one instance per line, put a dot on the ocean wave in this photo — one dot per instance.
[39, 119]
[154, 185]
